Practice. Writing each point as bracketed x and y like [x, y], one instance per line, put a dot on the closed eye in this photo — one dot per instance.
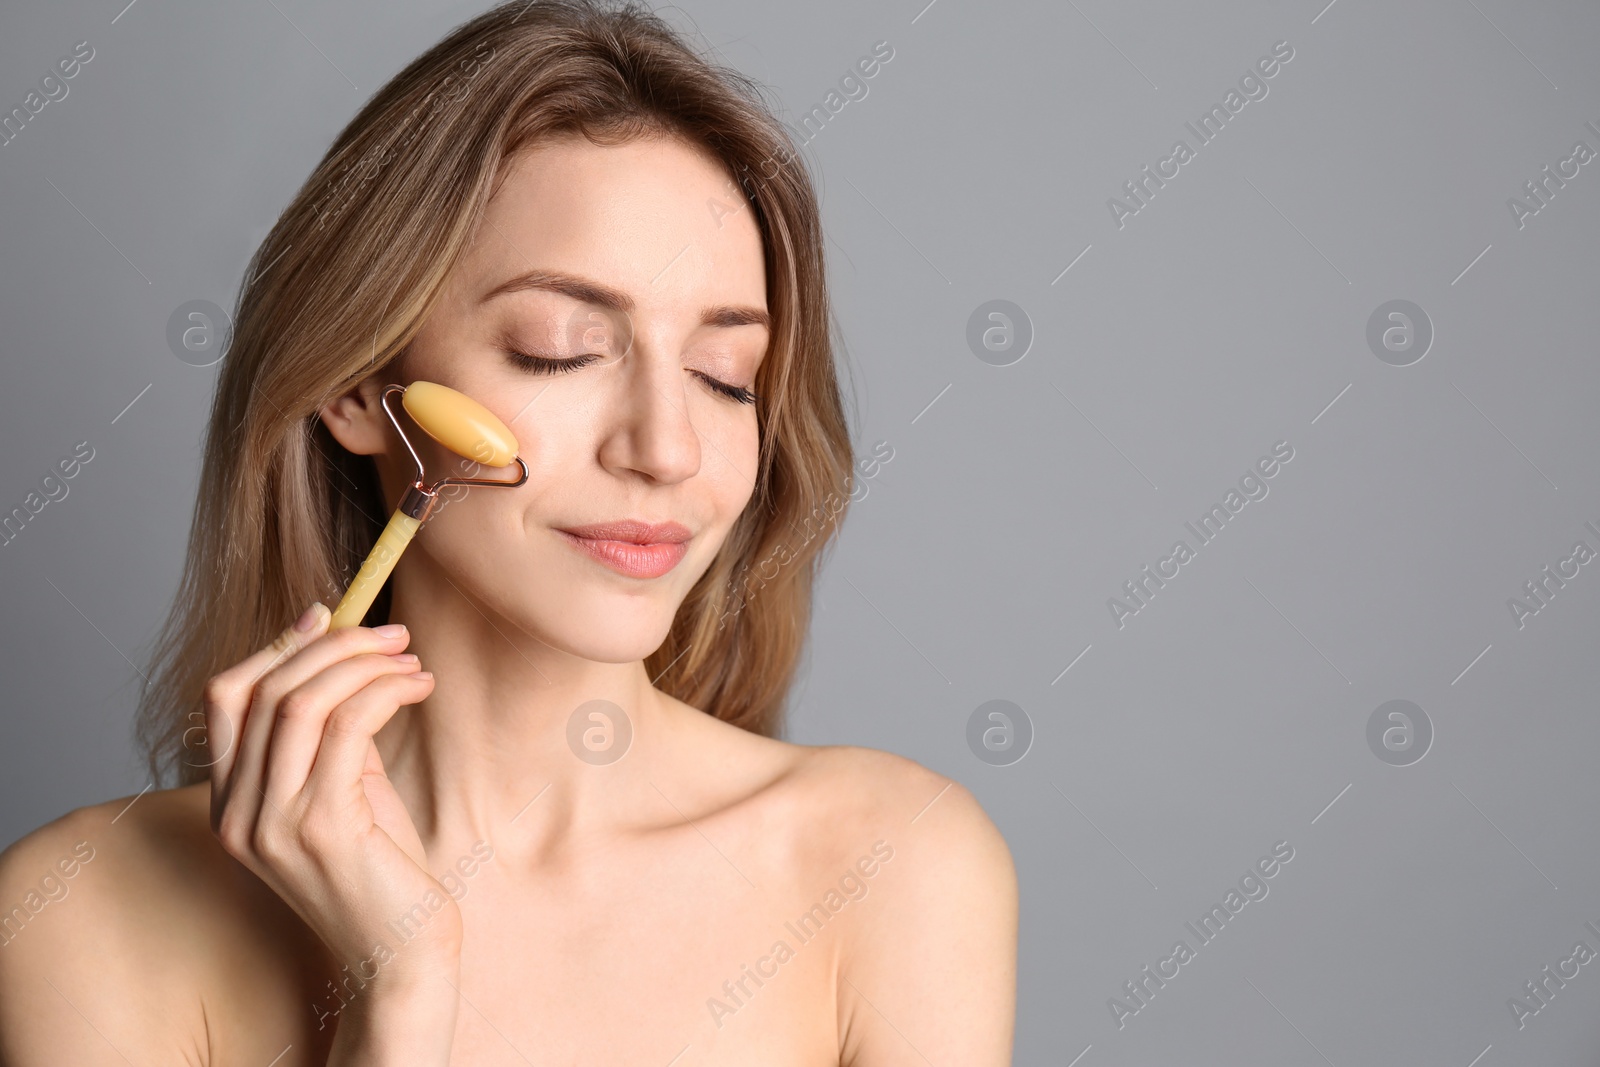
[546, 365]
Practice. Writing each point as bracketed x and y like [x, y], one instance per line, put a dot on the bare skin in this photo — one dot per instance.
[393, 868]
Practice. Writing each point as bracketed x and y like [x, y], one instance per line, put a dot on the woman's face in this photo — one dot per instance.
[644, 258]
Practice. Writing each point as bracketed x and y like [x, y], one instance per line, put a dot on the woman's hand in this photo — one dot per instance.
[299, 796]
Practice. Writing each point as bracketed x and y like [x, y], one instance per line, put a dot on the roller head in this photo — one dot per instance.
[460, 423]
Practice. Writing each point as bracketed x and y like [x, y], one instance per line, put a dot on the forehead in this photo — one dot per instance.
[656, 217]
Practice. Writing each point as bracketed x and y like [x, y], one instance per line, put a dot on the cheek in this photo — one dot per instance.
[470, 518]
[730, 451]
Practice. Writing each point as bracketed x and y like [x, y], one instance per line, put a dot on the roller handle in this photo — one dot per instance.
[375, 571]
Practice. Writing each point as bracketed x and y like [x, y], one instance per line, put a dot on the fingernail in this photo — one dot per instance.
[392, 629]
[305, 623]
[404, 657]
[423, 676]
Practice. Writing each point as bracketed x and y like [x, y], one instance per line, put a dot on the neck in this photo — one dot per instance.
[491, 744]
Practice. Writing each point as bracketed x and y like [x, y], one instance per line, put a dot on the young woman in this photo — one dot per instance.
[534, 811]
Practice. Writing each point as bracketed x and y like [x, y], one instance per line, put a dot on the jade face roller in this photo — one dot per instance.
[460, 424]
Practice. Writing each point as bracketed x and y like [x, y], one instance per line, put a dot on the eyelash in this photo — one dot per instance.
[545, 365]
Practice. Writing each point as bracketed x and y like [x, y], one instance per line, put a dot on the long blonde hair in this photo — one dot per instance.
[285, 515]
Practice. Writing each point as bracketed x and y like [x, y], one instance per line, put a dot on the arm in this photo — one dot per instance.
[933, 978]
[67, 993]
[97, 960]
[94, 969]
[300, 797]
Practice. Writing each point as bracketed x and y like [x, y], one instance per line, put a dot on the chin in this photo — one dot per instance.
[615, 634]
[594, 618]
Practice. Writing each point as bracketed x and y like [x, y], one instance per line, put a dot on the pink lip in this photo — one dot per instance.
[637, 549]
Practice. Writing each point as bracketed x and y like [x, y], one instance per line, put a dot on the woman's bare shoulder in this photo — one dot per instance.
[102, 913]
[152, 839]
[867, 793]
[823, 806]
[932, 950]
[106, 856]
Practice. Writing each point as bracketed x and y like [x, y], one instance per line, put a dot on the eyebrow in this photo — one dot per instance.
[593, 292]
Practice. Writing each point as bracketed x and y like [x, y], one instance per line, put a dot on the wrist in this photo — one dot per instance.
[409, 1020]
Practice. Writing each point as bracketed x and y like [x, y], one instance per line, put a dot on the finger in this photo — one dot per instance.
[347, 749]
[227, 694]
[276, 683]
[302, 713]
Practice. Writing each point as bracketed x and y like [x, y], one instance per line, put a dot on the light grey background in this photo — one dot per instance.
[1230, 313]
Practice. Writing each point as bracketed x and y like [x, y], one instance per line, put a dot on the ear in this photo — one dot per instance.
[356, 419]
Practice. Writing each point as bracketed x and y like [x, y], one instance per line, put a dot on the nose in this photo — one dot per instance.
[648, 427]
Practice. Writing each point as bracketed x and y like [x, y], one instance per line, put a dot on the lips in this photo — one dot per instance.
[636, 549]
[632, 531]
